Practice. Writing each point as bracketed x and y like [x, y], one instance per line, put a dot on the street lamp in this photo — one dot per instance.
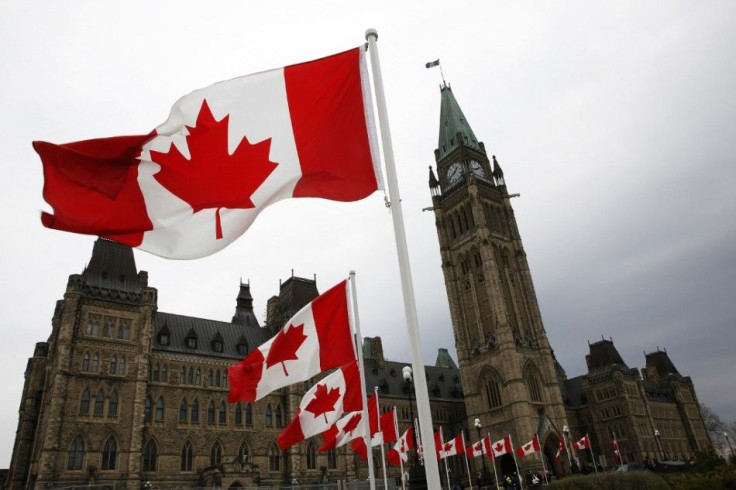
[566, 436]
[733, 458]
[658, 436]
[416, 474]
[484, 476]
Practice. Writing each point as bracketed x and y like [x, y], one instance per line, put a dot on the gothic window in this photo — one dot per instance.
[190, 376]
[222, 416]
[216, 454]
[156, 371]
[109, 453]
[332, 459]
[210, 379]
[150, 456]
[243, 453]
[84, 403]
[224, 378]
[198, 377]
[112, 406]
[531, 379]
[217, 345]
[113, 365]
[159, 417]
[183, 375]
[242, 347]
[477, 259]
[311, 456]
[211, 413]
[195, 412]
[183, 411]
[493, 393]
[186, 457]
[85, 362]
[191, 341]
[164, 373]
[76, 454]
[218, 378]
[248, 414]
[124, 329]
[93, 325]
[99, 404]
[274, 459]
[147, 410]
[108, 327]
[269, 416]
[95, 363]
[238, 414]
[279, 418]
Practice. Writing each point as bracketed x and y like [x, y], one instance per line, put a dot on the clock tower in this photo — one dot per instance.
[509, 373]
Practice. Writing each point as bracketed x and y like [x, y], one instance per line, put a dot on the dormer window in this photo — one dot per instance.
[163, 339]
[191, 342]
[217, 346]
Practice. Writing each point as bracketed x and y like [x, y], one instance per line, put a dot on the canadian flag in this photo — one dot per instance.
[561, 447]
[583, 443]
[324, 404]
[616, 453]
[480, 448]
[195, 183]
[314, 340]
[502, 446]
[349, 428]
[454, 446]
[386, 434]
[400, 451]
[529, 448]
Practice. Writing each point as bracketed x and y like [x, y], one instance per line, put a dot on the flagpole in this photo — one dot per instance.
[380, 430]
[467, 464]
[444, 459]
[401, 459]
[541, 455]
[493, 458]
[359, 348]
[513, 453]
[410, 309]
[592, 456]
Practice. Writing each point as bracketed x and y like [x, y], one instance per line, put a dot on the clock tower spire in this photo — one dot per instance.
[505, 360]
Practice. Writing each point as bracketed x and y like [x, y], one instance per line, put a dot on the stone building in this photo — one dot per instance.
[123, 394]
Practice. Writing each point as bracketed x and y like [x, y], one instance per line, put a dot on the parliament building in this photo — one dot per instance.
[123, 395]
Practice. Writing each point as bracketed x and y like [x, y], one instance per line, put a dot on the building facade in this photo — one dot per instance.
[122, 394]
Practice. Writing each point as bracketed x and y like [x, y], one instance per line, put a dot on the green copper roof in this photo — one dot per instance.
[452, 121]
[444, 360]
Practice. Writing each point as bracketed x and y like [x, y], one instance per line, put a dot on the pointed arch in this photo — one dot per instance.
[164, 373]
[532, 380]
[112, 405]
[195, 412]
[150, 456]
[183, 375]
[85, 362]
[99, 404]
[121, 366]
[156, 372]
[238, 414]
[114, 364]
[159, 415]
[84, 402]
[187, 456]
[243, 453]
[109, 454]
[75, 459]
[183, 411]
[279, 416]
[311, 456]
[95, 367]
[216, 453]
[210, 378]
[211, 413]
[147, 409]
[222, 414]
[218, 378]
[269, 416]
[491, 386]
[248, 414]
[274, 458]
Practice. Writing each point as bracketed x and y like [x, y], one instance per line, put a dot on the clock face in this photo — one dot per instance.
[476, 168]
[455, 172]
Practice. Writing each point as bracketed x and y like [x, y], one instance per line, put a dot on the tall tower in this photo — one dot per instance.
[505, 360]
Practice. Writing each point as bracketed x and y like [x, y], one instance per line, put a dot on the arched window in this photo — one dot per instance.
[84, 403]
[76, 454]
[493, 393]
[195, 412]
[112, 406]
[269, 416]
[238, 414]
[99, 404]
[183, 375]
[109, 453]
[113, 365]
[211, 413]
[224, 378]
[217, 378]
[332, 459]
[95, 363]
[93, 325]
[198, 377]
[183, 411]
[121, 367]
[186, 457]
[150, 456]
[156, 371]
[531, 379]
[147, 410]
[274, 459]
[243, 454]
[85, 362]
[108, 326]
[279, 417]
[164, 373]
[210, 379]
[222, 419]
[216, 454]
[311, 456]
[159, 410]
[248, 415]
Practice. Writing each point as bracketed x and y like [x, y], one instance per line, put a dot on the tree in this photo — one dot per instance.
[715, 426]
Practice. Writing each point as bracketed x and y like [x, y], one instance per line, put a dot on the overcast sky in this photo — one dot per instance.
[615, 121]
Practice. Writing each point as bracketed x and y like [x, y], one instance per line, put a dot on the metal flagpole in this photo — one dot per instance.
[401, 459]
[359, 348]
[513, 453]
[592, 456]
[467, 464]
[380, 430]
[444, 458]
[493, 459]
[410, 308]
[541, 455]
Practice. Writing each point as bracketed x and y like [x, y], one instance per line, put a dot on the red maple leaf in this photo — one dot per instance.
[211, 178]
[284, 346]
[448, 447]
[352, 423]
[324, 401]
[499, 447]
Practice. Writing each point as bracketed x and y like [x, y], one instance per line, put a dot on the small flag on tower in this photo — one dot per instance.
[431, 64]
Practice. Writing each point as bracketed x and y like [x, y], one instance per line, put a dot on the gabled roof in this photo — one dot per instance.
[442, 383]
[452, 122]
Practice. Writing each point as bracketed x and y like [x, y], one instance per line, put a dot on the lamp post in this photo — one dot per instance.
[484, 475]
[566, 433]
[658, 436]
[417, 478]
[733, 457]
